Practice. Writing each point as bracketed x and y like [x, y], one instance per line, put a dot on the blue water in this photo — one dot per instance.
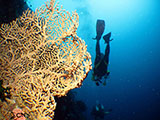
[133, 88]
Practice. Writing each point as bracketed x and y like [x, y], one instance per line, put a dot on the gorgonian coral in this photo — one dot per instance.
[41, 56]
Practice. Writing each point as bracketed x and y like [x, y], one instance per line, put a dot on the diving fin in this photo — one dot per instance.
[109, 111]
[107, 37]
[100, 26]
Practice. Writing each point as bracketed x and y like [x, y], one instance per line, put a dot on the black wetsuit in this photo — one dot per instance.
[101, 61]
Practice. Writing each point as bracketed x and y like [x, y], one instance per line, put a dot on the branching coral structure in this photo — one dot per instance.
[41, 56]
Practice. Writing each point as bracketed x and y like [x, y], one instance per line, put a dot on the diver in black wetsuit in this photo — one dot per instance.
[101, 61]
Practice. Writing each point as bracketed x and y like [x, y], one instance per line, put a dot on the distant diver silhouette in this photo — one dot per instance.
[98, 112]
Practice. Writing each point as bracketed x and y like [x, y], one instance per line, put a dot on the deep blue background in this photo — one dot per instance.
[133, 88]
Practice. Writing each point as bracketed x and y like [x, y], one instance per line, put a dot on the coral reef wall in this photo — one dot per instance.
[41, 56]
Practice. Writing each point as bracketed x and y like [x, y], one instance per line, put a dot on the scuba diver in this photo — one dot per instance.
[98, 112]
[101, 61]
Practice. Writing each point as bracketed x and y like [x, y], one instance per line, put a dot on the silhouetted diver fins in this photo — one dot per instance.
[100, 26]
[107, 37]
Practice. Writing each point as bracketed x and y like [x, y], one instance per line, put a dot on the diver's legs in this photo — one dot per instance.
[107, 51]
[98, 54]
[100, 26]
[97, 48]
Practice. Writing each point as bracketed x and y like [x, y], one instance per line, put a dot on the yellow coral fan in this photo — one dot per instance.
[41, 56]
